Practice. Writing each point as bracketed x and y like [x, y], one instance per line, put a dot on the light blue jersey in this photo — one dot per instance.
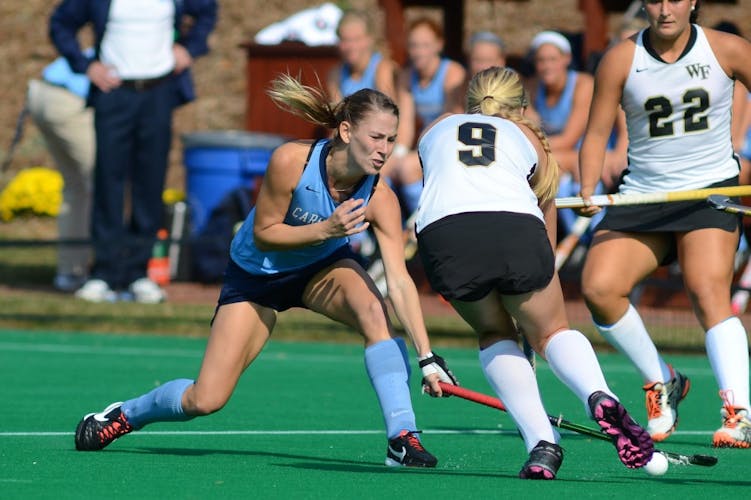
[311, 202]
[553, 118]
[58, 72]
[348, 85]
[430, 101]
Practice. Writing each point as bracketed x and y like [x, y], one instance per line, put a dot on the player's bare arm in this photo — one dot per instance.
[608, 89]
[282, 175]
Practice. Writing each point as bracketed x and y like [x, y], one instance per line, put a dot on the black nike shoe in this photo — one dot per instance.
[544, 461]
[97, 430]
[405, 450]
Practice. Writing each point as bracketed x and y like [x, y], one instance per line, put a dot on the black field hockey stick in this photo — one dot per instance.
[741, 296]
[562, 423]
[725, 204]
[17, 135]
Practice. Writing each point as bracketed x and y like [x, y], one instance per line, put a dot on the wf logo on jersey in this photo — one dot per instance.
[698, 70]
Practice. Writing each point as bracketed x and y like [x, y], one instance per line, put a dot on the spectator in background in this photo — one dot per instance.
[139, 74]
[57, 105]
[560, 98]
[424, 88]
[485, 50]
[362, 66]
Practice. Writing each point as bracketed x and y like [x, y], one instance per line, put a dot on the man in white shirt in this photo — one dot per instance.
[139, 74]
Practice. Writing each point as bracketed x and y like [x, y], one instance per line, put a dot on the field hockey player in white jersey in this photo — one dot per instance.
[674, 80]
[486, 232]
[293, 251]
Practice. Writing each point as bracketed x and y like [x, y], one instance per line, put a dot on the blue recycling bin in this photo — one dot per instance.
[217, 162]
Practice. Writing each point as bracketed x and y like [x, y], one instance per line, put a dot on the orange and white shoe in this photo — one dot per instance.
[736, 426]
[662, 404]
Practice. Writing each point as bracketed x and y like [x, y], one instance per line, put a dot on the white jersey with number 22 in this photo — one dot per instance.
[678, 117]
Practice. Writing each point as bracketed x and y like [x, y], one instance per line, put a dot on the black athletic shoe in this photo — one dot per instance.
[632, 442]
[405, 450]
[544, 461]
[97, 430]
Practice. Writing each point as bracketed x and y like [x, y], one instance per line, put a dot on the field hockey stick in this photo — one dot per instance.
[725, 204]
[560, 422]
[569, 242]
[377, 271]
[410, 246]
[179, 210]
[604, 200]
[17, 135]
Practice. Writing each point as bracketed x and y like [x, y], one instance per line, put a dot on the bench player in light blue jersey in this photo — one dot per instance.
[424, 87]
[362, 65]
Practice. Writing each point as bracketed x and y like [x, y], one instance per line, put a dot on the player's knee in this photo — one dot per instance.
[707, 297]
[201, 405]
[598, 293]
[372, 316]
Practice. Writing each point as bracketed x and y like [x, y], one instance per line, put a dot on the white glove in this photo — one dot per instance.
[433, 363]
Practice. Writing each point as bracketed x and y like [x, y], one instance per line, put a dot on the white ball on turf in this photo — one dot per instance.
[657, 466]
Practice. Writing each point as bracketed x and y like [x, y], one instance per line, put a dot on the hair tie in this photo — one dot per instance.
[488, 97]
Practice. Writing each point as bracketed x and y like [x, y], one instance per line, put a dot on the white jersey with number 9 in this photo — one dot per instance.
[475, 163]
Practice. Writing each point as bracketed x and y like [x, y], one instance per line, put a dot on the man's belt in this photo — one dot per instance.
[144, 83]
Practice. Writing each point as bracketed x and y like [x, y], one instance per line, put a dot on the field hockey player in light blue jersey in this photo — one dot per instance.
[293, 251]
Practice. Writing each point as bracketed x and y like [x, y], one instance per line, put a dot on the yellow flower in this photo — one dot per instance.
[35, 191]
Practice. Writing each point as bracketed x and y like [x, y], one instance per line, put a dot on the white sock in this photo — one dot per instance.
[630, 337]
[727, 350]
[513, 380]
[572, 359]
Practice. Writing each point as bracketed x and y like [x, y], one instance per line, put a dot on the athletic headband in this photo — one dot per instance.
[487, 37]
[552, 38]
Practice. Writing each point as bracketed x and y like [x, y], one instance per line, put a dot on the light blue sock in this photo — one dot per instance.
[163, 404]
[389, 374]
[405, 355]
[411, 195]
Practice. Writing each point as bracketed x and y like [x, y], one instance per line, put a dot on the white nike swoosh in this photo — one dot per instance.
[400, 454]
[101, 416]
[395, 414]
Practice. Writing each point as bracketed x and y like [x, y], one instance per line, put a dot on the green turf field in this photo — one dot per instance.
[304, 423]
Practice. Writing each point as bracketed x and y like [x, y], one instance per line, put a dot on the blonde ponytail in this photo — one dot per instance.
[499, 92]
